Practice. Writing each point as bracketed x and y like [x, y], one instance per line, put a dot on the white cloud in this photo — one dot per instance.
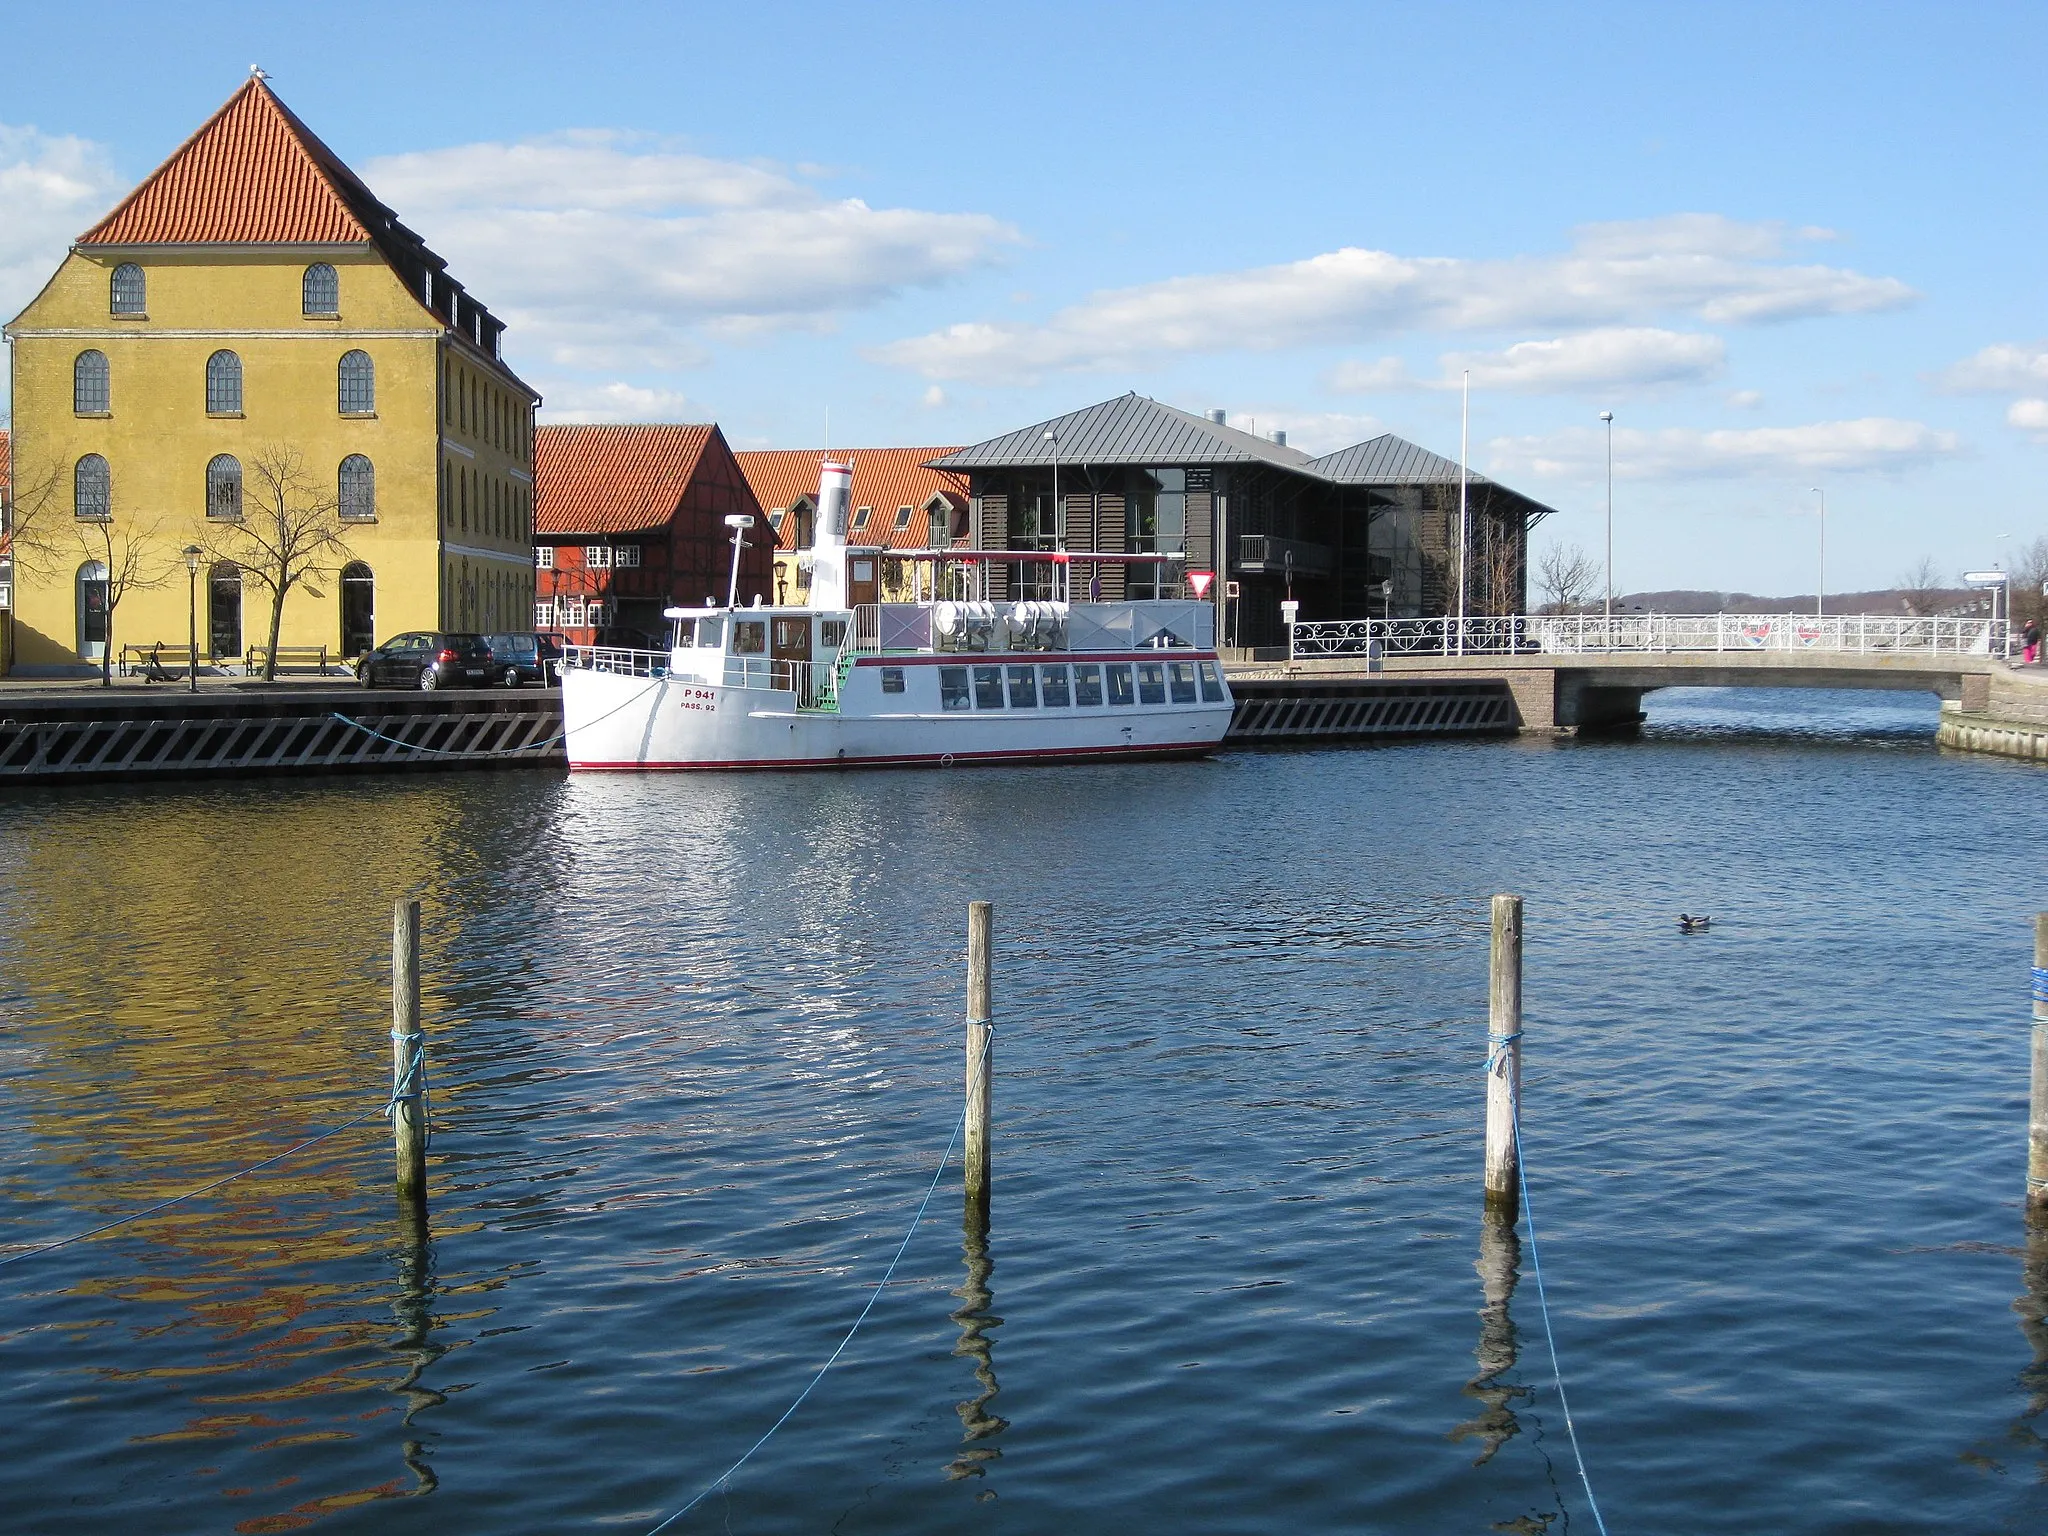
[1716, 269]
[934, 397]
[1745, 399]
[1609, 357]
[609, 250]
[52, 188]
[1353, 377]
[2030, 416]
[618, 402]
[1868, 443]
[1315, 432]
[2005, 366]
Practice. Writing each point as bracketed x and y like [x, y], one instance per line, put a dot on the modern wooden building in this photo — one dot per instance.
[631, 519]
[898, 502]
[1366, 531]
[252, 325]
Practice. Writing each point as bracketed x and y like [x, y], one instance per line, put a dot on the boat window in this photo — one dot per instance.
[952, 687]
[1023, 687]
[1088, 684]
[892, 679]
[831, 633]
[750, 637]
[1119, 684]
[1181, 675]
[1212, 685]
[711, 632]
[1151, 683]
[1052, 684]
[988, 687]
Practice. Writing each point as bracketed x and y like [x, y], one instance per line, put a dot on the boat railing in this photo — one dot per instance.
[815, 683]
[1138, 624]
[615, 659]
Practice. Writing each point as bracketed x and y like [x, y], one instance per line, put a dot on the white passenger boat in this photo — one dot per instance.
[935, 681]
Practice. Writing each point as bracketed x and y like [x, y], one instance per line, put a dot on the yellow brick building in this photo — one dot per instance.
[252, 304]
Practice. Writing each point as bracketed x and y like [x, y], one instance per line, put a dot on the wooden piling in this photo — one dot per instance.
[2037, 1117]
[980, 1059]
[408, 1115]
[1504, 1057]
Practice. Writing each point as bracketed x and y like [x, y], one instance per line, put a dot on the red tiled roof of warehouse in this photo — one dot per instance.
[883, 478]
[252, 174]
[606, 479]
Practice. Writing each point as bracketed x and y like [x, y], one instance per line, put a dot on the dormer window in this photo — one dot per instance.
[861, 516]
[902, 519]
[320, 291]
[775, 518]
[126, 292]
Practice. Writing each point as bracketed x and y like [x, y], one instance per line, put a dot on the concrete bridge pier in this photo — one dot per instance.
[1591, 707]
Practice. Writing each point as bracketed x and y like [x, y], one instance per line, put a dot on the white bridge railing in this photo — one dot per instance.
[1648, 634]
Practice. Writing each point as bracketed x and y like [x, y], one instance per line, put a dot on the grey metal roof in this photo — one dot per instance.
[1389, 460]
[1127, 430]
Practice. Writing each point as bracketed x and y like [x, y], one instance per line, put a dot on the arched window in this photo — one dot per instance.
[92, 491]
[91, 393]
[224, 611]
[224, 486]
[357, 487]
[126, 291]
[358, 609]
[320, 293]
[223, 384]
[357, 384]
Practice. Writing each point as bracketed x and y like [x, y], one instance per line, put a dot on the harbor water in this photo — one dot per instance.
[696, 1050]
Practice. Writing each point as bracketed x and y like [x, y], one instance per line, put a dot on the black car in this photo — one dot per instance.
[427, 659]
[524, 658]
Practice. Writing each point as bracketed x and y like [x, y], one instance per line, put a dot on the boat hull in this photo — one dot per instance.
[616, 723]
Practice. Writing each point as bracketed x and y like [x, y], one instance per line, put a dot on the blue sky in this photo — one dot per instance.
[1789, 247]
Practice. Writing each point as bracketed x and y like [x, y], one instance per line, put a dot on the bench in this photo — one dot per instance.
[314, 656]
[149, 660]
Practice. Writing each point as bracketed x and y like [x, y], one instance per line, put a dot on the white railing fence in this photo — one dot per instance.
[1649, 633]
[815, 683]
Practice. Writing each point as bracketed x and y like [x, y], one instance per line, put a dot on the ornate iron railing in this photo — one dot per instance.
[1649, 634]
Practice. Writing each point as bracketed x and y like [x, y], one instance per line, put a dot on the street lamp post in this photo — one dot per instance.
[1608, 417]
[1820, 579]
[192, 553]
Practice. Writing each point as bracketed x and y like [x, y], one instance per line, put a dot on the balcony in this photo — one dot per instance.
[1263, 553]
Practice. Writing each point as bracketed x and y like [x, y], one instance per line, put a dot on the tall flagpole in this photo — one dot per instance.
[1464, 526]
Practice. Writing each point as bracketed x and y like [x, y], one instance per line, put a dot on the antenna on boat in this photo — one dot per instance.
[739, 523]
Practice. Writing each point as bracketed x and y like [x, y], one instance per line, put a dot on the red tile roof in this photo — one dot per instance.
[883, 478]
[6, 461]
[603, 479]
[252, 174]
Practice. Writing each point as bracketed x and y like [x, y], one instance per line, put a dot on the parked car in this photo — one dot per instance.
[427, 659]
[523, 658]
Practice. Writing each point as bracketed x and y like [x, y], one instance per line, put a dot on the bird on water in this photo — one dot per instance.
[1687, 923]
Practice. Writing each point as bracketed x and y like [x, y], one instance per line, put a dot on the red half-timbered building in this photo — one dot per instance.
[628, 520]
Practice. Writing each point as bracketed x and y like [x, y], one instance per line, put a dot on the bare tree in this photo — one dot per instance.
[289, 534]
[1923, 586]
[33, 533]
[1567, 575]
[132, 562]
[2029, 571]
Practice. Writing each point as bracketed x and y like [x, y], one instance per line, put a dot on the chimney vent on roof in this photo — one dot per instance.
[1218, 416]
[1280, 437]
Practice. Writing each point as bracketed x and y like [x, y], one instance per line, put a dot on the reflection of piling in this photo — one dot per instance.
[2037, 1119]
[980, 1026]
[976, 1343]
[413, 1309]
[1504, 1057]
[1499, 1265]
[408, 1053]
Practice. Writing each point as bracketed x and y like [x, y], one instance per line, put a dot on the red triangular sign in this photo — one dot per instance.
[1200, 581]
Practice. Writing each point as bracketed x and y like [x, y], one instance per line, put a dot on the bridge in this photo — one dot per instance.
[1585, 671]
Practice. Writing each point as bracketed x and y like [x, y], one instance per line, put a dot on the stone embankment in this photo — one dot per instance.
[2005, 712]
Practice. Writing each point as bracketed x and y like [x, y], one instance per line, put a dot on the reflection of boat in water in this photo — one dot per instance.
[930, 681]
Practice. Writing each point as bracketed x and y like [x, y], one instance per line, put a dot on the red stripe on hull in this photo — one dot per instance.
[1037, 755]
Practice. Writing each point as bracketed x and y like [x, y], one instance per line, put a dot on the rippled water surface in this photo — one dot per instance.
[696, 1049]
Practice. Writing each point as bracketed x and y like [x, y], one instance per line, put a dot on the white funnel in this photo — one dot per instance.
[828, 536]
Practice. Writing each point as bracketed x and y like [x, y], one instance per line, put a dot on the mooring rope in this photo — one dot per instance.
[150, 1210]
[2040, 984]
[531, 746]
[873, 1296]
[1543, 1305]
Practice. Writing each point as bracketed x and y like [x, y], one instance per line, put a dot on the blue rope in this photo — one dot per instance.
[1497, 1045]
[414, 1083]
[150, 1210]
[2040, 985]
[1543, 1303]
[873, 1297]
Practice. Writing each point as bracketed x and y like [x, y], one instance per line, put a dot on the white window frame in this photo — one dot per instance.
[596, 613]
[626, 557]
[598, 557]
[544, 557]
[544, 615]
[569, 611]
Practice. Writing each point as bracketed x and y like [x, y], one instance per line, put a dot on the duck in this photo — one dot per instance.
[1687, 923]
